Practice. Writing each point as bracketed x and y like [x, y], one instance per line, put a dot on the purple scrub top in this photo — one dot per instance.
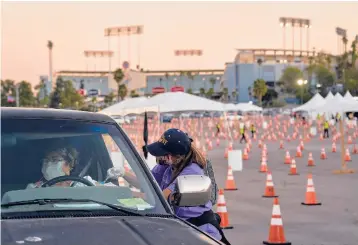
[163, 175]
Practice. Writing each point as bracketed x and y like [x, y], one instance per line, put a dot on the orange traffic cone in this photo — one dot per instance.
[226, 154]
[217, 142]
[334, 147]
[323, 154]
[230, 146]
[263, 168]
[276, 233]
[347, 156]
[245, 156]
[301, 145]
[281, 144]
[230, 182]
[349, 141]
[310, 193]
[287, 158]
[310, 160]
[355, 149]
[269, 189]
[222, 211]
[293, 168]
[248, 148]
[298, 152]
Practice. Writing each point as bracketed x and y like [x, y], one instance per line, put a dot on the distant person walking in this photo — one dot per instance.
[253, 130]
[242, 132]
[326, 127]
[217, 129]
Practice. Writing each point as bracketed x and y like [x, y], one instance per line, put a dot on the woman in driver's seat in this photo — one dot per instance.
[59, 163]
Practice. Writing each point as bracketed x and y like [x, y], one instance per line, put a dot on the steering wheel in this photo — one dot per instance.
[59, 179]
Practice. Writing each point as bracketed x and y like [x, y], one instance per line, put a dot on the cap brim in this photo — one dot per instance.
[156, 149]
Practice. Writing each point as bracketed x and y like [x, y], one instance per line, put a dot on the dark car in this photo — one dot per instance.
[70, 177]
[167, 118]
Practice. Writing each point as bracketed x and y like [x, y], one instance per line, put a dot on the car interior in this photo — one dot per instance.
[23, 153]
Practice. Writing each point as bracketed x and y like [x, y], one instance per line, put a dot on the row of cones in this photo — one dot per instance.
[276, 230]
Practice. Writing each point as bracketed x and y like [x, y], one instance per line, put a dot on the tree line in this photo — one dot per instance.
[320, 68]
[327, 74]
[64, 94]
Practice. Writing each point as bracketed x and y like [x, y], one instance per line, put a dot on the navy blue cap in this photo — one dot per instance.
[172, 142]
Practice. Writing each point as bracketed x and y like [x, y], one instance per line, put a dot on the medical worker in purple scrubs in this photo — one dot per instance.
[176, 156]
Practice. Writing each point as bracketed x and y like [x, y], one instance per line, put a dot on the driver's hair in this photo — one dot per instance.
[66, 154]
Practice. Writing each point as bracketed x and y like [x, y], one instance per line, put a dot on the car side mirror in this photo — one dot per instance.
[192, 190]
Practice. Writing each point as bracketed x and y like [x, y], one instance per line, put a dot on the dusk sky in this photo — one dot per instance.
[215, 27]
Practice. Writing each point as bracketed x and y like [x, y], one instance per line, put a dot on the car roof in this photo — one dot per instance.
[53, 114]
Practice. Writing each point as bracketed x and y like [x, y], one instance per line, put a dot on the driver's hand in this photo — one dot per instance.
[78, 184]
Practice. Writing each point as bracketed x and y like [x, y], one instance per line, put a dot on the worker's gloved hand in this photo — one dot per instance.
[115, 173]
[78, 184]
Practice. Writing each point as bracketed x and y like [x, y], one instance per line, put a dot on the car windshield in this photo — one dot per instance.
[94, 161]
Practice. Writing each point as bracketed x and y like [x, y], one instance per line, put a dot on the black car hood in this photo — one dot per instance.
[125, 230]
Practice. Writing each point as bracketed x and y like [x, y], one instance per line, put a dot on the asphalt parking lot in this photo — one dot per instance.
[335, 222]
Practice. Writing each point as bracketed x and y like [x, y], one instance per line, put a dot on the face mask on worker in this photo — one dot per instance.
[53, 170]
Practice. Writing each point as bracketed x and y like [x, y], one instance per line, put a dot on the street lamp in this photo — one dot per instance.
[301, 82]
[318, 86]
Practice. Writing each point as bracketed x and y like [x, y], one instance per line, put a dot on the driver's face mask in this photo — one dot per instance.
[53, 170]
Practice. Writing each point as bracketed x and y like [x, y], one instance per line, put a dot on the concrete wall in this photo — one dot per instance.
[199, 81]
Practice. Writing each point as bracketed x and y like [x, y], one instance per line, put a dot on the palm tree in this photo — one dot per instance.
[118, 76]
[328, 61]
[160, 82]
[210, 92]
[122, 91]
[50, 47]
[212, 81]
[181, 74]
[108, 99]
[225, 93]
[310, 60]
[354, 52]
[191, 78]
[167, 80]
[259, 62]
[202, 91]
[94, 101]
[260, 89]
[133, 94]
[234, 95]
[345, 41]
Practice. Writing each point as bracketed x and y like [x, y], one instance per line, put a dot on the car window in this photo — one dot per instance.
[35, 151]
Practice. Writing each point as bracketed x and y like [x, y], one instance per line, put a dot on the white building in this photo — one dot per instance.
[102, 81]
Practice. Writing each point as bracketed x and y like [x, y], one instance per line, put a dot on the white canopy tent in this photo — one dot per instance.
[337, 104]
[316, 101]
[121, 107]
[172, 102]
[349, 98]
[230, 107]
[247, 107]
[329, 96]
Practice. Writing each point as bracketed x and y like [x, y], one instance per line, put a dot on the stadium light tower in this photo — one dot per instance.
[295, 22]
